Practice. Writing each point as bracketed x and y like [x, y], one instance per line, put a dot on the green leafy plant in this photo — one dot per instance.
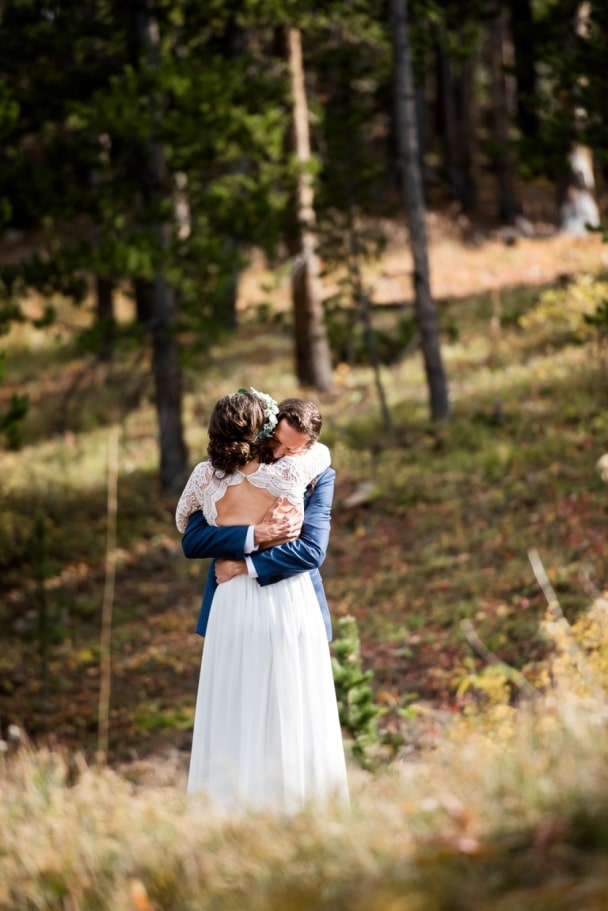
[358, 712]
[11, 420]
[567, 313]
[599, 321]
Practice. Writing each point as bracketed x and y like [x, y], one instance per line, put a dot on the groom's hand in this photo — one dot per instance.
[282, 521]
[225, 570]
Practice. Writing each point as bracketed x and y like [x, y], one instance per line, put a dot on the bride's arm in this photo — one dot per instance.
[191, 498]
[299, 470]
[308, 551]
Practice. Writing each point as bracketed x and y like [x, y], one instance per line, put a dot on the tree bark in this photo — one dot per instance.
[168, 389]
[142, 291]
[312, 353]
[165, 349]
[447, 118]
[578, 209]
[524, 47]
[226, 295]
[504, 165]
[466, 132]
[456, 117]
[105, 316]
[426, 315]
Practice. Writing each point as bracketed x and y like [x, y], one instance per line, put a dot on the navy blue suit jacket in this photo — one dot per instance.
[275, 563]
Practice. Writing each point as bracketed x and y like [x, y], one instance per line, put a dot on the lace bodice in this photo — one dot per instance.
[287, 477]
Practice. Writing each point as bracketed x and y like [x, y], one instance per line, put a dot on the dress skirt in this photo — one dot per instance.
[266, 728]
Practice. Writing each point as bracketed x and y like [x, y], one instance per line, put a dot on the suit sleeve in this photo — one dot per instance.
[309, 550]
[203, 540]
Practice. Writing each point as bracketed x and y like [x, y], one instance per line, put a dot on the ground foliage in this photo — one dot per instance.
[508, 811]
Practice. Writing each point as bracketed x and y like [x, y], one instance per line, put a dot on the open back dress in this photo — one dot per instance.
[266, 730]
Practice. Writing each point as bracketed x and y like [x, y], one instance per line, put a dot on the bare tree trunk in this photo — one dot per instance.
[456, 109]
[364, 305]
[142, 290]
[105, 316]
[313, 358]
[504, 165]
[524, 47]
[447, 118]
[426, 315]
[165, 349]
[466, 132]
[225, 298]
[578, 209]
[168, 390]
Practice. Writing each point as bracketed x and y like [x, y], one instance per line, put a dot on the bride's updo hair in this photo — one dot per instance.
[234, 426]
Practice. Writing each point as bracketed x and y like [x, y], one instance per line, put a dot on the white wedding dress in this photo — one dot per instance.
[266, 729]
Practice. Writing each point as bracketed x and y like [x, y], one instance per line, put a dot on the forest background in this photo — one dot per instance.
[397, 210]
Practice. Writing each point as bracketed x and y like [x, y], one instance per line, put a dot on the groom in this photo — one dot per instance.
[234, 548]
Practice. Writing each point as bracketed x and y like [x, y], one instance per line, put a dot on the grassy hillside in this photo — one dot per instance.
[492, 800]
[448, 513]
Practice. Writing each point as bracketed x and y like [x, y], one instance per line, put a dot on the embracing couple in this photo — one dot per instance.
[266, 731]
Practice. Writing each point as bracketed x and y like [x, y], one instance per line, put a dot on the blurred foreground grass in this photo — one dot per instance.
[509, 812]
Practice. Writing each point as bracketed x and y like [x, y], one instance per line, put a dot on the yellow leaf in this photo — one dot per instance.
[139, 896]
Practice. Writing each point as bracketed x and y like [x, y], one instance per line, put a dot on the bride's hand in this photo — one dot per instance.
[282, 522]
[225, 570]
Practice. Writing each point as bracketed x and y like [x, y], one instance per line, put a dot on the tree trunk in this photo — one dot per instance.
[168, 389]
[426, 315]
[466, 133]
[447, 118]
[225, 297]
[578, 209]
[105, 316]
[504, 165]
[142, 290]
[165, 349]
[524, 47]
[312, 353]
[601, 17]
[455, 102]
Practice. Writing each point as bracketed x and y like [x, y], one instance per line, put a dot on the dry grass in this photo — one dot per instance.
[509, 811]
[457, 272]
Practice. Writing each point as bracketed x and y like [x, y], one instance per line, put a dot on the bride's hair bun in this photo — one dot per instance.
[234, 427]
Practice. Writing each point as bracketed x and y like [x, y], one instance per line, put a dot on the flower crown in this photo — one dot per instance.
[271, 409]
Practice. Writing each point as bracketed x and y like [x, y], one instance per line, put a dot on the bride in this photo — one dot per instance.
[266, 728]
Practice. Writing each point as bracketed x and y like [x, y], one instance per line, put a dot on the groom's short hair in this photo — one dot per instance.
[303, 415]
